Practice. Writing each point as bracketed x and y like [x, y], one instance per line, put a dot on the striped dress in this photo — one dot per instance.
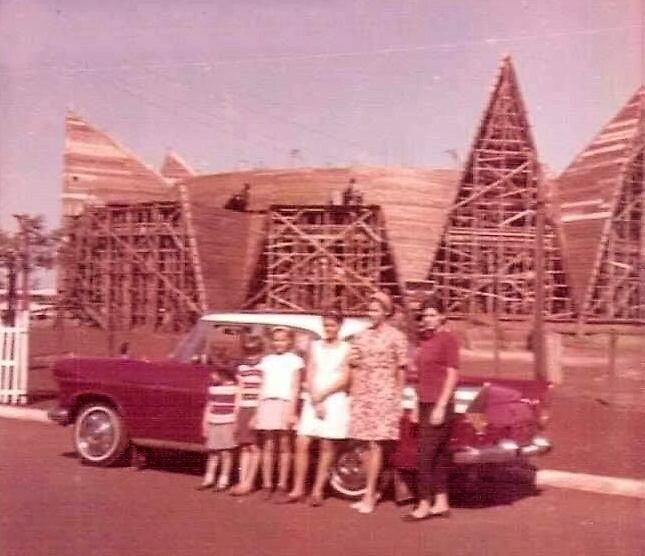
[249, 379]
[222, 403]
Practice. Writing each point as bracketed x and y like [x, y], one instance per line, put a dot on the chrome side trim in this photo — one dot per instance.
[59, 415]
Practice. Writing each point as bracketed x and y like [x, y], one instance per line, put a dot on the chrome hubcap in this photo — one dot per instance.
[351, 471]
[96, 434]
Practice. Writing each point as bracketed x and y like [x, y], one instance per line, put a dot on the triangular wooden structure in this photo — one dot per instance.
[601, 205]
[412, 201]
[176, 169]
[97, 170]
[486, 259]
[319, 257]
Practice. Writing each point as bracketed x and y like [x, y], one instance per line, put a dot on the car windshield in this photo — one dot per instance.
[193, 343]
[209, 341]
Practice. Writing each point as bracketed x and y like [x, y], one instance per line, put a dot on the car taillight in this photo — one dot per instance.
[543, 416]
[478, 421]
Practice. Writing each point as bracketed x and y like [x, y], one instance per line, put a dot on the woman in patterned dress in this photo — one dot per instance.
[378, 361]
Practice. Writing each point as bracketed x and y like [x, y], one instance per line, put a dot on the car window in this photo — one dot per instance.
[212, 343]
[223, 345]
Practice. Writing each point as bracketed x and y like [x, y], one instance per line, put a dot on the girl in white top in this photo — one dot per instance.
[276, 413]
[325, 414]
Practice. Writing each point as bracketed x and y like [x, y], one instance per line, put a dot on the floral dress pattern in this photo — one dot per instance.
[375, 406]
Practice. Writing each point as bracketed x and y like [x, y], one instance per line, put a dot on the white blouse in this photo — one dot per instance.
[278, 374]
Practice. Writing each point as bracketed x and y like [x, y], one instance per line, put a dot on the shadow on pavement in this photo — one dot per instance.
[171, 461]
[481, 487]
[494, 486]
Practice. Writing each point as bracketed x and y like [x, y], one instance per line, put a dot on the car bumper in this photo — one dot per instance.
[59, 415]
[505, 451]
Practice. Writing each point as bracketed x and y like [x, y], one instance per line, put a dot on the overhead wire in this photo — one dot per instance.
[196, 116]
[331, 55]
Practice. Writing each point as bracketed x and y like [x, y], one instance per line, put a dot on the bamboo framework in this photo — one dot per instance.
[619, 291]
[321, 257]
[131, 265]
[485, 262]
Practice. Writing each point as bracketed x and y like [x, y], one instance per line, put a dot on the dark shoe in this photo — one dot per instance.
[205, 486]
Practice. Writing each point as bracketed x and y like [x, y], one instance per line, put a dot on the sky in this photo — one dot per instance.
[287, 83]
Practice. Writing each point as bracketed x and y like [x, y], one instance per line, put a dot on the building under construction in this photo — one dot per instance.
[157, 249]
[171, 252]
[601, 199]
[486, 261]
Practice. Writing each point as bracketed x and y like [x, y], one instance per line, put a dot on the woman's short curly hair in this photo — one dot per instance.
[333, 314]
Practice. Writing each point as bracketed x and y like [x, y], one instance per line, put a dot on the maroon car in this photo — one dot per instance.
[118, 403]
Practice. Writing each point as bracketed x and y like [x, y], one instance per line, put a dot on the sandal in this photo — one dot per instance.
[289, 499]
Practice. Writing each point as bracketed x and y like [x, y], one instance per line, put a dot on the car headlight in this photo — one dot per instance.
[508, 445]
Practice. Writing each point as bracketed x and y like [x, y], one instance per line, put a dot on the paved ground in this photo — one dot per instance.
[51, 505]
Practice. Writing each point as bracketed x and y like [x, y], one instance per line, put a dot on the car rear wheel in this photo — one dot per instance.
[100, 437]
[348, 478]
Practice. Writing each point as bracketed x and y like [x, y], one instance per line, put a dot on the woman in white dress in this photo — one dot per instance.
[325, 413]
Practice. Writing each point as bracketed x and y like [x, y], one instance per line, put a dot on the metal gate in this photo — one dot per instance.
[14, 361]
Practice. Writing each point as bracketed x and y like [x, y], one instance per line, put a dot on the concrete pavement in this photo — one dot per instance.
[600, 484]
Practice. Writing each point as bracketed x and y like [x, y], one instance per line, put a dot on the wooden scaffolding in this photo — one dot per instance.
[131, 265]
[322, 257]
[619, 290]
[485, 262]
[601, 203]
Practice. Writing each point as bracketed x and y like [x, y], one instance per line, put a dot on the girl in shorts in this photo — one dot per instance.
[276, 412]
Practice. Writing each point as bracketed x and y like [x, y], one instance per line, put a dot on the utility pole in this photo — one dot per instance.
[26, 271]
[539, 355]
[11, 289]
[25, 260]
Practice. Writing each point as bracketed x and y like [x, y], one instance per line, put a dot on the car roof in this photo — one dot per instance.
[306, 322]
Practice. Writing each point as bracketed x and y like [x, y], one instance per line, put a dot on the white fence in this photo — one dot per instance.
[14, 361]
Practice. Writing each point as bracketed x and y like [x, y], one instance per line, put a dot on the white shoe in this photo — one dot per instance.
[365, 509]
[222, 484]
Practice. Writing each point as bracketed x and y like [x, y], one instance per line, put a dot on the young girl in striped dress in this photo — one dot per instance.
[218, 425]
[249, 380]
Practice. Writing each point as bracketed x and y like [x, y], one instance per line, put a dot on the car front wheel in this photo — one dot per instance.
[100, 437]
[348, 477]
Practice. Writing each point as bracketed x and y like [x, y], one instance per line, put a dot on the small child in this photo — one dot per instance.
[276, 412]
[249, 380]
[218, 425]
